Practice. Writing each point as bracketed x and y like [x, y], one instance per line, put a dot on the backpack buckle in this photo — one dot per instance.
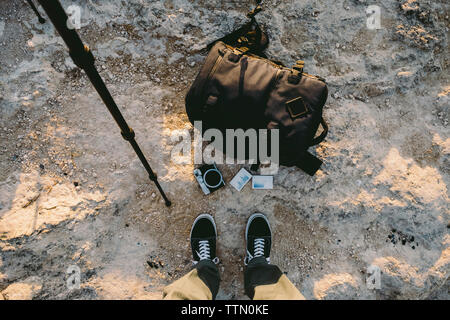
[299, 65]
[254, 12]
[210, 102]
[294, 77]
[237, 53]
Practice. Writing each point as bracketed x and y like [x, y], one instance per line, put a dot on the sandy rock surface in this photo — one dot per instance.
[72, 192]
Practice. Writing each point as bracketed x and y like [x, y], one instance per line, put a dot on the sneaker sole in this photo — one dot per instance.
[207, 216]
[252, 217]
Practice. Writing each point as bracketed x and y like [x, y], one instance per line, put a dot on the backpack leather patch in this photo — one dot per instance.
[297, 107]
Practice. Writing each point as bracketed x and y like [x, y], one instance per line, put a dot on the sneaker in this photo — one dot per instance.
[258, 238]
[203, 239]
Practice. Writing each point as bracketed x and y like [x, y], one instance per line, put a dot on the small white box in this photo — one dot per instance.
[241, 179]
[262, 182]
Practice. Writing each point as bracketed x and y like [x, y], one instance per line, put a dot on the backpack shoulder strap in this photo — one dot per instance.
[250, 36]
[309, 163]
[322, 136]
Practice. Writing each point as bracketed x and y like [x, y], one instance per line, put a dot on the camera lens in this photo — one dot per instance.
[212, 178]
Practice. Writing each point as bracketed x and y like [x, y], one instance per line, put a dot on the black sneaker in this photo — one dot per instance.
[258, 237]
[203, 239]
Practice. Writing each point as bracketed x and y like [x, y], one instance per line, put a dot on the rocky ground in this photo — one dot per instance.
[73, 193]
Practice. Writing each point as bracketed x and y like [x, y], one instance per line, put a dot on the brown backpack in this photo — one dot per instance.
[238, 87]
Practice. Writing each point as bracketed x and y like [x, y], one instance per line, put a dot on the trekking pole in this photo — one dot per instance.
[83, 58]
[30, 2]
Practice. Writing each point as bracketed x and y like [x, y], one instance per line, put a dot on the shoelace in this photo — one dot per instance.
[258, 248]
[204, 253]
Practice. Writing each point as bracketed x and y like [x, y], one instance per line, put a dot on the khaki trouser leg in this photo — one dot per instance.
[264, 281]
[202, 283]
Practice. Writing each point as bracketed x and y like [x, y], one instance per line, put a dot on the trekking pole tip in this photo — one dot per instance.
[168, 203]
